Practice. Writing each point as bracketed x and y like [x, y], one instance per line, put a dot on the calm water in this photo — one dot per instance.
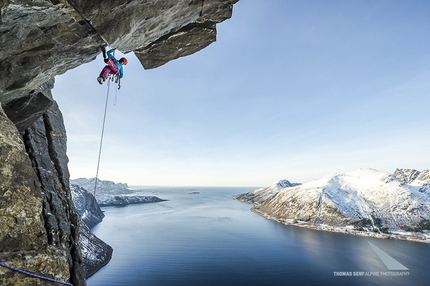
[211, 239]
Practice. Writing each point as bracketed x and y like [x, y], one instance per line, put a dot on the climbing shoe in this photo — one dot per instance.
[100, 80]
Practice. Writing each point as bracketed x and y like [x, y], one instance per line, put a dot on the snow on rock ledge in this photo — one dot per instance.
[107, 193]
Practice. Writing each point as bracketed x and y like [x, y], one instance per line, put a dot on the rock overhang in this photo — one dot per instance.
[42, 39]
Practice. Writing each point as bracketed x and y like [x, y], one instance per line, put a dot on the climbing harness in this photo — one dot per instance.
[34, 275]
[117, 79]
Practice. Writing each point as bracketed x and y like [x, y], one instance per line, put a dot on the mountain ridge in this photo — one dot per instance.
[362, 202]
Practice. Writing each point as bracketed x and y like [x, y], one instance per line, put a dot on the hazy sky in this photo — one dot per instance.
[291, 90]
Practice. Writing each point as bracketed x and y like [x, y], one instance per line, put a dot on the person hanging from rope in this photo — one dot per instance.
[113, 66]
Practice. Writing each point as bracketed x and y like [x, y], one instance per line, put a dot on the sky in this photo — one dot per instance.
[290, 90]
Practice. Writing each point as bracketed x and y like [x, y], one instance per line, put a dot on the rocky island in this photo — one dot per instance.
[108, 193]
[40, 228]
[363, 202]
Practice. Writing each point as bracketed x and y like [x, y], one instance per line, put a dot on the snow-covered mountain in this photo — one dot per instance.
[103, 187]
[364, 201]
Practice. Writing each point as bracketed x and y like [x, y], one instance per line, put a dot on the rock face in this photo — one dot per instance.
[361, 202]
[413, 177]
[39, 226]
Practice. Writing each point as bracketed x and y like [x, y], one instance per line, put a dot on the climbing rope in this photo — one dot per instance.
[34, 275]
[109, 79]
[101, 138]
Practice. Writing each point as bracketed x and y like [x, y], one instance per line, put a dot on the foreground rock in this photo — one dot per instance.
[39, 227]
[363, 202]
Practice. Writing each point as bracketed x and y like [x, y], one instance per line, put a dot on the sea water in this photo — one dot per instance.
[201, 236]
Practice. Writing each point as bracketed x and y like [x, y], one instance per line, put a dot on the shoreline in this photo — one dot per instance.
[414, 237]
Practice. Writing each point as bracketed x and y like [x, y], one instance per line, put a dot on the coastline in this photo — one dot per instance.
[411, 236]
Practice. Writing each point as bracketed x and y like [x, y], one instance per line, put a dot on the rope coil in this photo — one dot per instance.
[34, 275]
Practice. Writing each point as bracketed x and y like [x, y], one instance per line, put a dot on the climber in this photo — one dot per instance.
[113, 66]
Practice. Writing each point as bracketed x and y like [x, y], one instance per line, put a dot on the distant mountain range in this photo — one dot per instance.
[362, 202]
[107, 193]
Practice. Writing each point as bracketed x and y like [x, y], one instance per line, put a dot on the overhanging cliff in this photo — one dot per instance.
[39, 227]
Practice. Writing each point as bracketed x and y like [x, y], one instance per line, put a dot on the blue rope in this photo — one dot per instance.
[34, 275]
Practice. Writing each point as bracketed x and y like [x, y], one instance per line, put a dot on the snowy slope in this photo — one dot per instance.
[86, 206]
[364, 200]
[95, 252]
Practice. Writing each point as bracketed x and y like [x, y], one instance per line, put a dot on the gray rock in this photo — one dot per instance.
[45, 141]
[406, 176]
[25, 110]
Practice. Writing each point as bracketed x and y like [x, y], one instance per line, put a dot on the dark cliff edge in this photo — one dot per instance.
[40, 229]
[95, 252]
